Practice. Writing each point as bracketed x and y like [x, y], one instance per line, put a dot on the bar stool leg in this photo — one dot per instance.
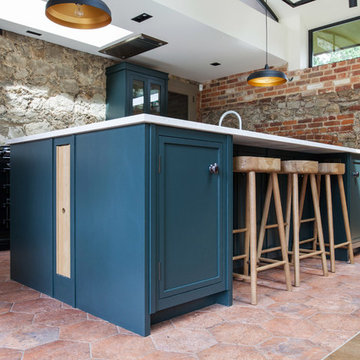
[301, 206]
[318, 223]
[302, 195]
[247, 225]
[288, 209]
[264, 216]
[296, 229]
[330, 222]
[252, 221]
[318, 182]
[280, 220]
[346, 218]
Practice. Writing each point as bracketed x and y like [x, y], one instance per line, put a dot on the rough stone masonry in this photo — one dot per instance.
[45, 87]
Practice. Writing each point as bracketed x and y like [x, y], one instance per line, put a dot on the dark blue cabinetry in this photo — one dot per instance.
[150, 226]
[32, 215]
[132, 89]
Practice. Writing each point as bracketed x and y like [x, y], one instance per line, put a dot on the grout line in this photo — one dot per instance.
[339, 347]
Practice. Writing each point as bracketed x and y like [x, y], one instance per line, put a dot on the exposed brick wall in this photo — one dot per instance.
[321, 104]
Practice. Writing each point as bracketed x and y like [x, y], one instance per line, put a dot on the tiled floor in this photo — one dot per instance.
[308, 323]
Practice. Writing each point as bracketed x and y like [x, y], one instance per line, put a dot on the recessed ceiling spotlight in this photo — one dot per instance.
[352, 3]
[33, 33]
[142, 17]
[215, 63]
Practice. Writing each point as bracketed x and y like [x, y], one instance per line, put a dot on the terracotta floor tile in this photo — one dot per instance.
[60, 317]
[331, 340]
[37, 306]
[230, 352]
[183, 340]
[88, 331]
[12, 321]
[213, 308]
[162, 355]
[332, 305]
[8, 354]
[329, 293]
[290, 296]
[122, 347]
[161, 326]
[289, 348]
[29, 336]
[19, 295]
[197, 320]
[300, 328]
[240, 334]
[315, 353]
[9, 286]
[252, 315]
[125, 331]
[5, 307]
[337, 321]
[92, 317]
[304, 324]
[291, 309]
[59, 350]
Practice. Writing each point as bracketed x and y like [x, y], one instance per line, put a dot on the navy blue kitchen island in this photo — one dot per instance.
[126, 221]
[131, 219]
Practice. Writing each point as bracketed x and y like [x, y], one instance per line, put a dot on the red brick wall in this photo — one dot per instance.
[321, 103]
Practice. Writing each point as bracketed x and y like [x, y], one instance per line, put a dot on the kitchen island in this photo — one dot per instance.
[131, 219]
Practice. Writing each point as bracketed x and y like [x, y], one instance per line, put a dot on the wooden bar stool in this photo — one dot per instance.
[252, 165]
[328, 169]
[293, 169]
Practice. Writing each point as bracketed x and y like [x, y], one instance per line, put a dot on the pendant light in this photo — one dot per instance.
[267, 77]
[79, 14]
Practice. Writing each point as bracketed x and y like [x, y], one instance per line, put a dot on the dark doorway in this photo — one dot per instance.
[177, 106]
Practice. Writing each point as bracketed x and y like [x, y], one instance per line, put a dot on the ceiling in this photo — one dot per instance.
[192, 44]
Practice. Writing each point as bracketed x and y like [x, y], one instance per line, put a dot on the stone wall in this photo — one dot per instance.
[321, 104]
[45, 87]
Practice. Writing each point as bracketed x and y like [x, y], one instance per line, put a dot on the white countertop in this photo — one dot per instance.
[241, 137]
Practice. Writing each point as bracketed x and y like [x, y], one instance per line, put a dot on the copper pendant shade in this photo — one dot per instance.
[267, 77]
[79, 14]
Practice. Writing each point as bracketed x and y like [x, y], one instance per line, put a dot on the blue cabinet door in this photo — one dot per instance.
[191, 232]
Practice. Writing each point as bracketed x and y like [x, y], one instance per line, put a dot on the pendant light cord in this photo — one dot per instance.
[266, 32]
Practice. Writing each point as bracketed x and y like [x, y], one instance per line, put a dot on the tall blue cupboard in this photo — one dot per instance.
[148, 219]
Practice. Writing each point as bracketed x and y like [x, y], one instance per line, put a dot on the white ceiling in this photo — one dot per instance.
[193, 44]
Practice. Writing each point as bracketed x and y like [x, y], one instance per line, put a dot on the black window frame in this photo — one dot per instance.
[310, 36]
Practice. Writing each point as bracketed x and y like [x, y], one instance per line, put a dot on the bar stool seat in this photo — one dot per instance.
[252, 165]
[299, 167]
[338, 169]
[307, 168]
[331, 169]
[257, 164]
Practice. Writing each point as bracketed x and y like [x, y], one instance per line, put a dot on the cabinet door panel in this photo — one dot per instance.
[64, 274]
[138, 94]
[190, 249]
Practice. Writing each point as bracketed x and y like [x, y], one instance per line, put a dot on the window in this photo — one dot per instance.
[334, 42]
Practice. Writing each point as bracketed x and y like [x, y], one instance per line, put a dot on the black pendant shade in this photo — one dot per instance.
[78, 14]
[267, 77]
